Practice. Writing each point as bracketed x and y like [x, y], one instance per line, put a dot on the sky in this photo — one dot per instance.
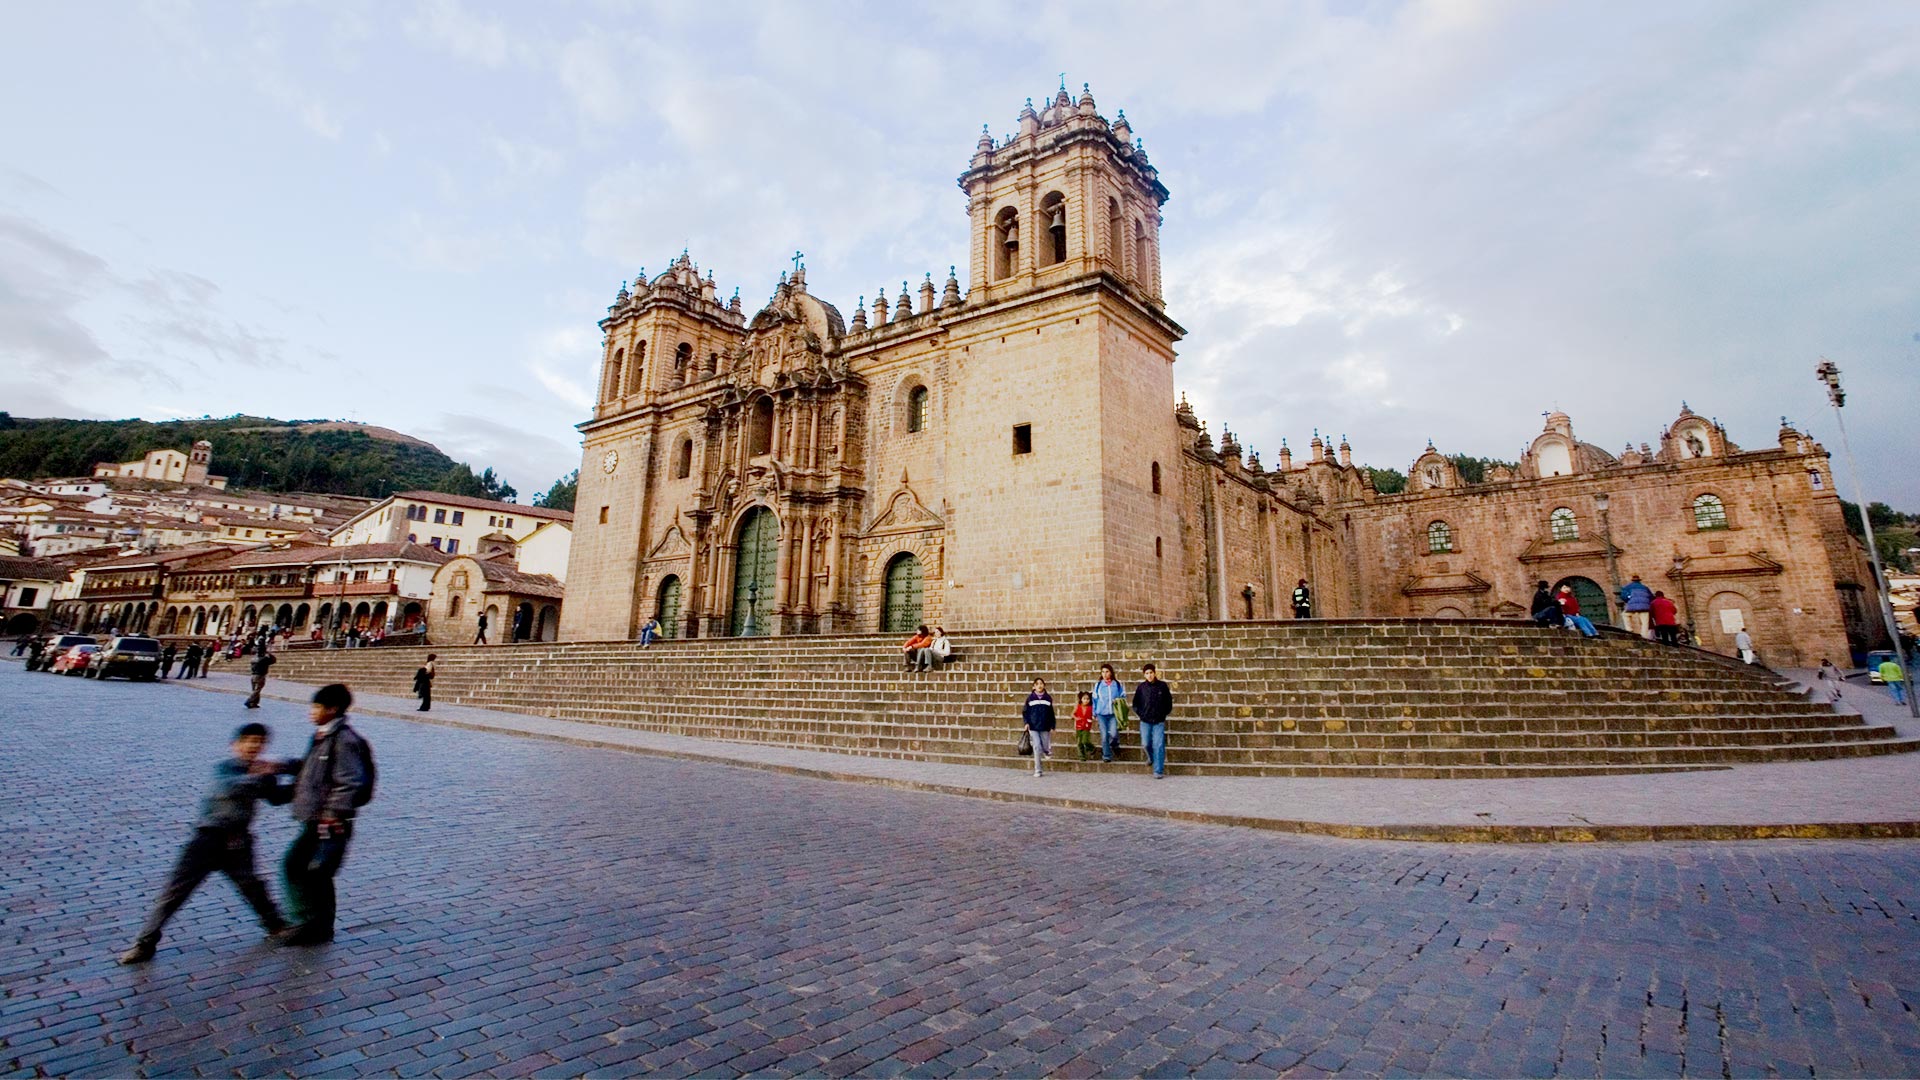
[1390, 222]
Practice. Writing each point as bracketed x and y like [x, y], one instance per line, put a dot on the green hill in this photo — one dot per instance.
[251, 451]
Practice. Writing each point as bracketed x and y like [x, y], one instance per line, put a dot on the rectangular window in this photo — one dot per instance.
[509, 523]
[453, 546]
[1023, 438]
[603, 515]
[28, 596]
[434, 543]
[491, 521]
[359, 575]
[459, 517]
[439, 517]
[1813, 477]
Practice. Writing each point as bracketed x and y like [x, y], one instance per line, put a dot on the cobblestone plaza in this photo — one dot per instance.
[515, 906]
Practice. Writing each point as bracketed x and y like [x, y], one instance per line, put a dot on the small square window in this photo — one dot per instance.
[509, 523]
[434, 543]
[439, 517]
[1023, 438]
[459, 517]
[453, 547]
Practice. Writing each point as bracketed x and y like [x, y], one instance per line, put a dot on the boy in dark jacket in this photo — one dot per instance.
[1152, 704]
[222, 840]
[330, 785]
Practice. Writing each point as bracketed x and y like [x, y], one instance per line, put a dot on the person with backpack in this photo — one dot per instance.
[330, 786]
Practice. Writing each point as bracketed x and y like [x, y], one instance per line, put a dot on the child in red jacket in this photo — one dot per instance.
[1083, 724]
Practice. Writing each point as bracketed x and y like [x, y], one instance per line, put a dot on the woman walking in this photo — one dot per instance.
[423, 684]
[1038, 714]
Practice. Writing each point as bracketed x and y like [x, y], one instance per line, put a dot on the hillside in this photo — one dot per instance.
[253, 452]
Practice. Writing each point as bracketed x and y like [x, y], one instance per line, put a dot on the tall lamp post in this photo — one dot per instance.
[1686, 595]
[753, 601]
[340, 602]
[1828, 372]
[1600, 503]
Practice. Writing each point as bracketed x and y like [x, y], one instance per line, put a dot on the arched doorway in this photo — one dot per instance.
[523, 622]
[300, 616]
[754, 564]
[900, 604]
[23, 623]
[284, 616]
[199, 620]
[410, 615]
[1593, 599]
[548, 627]
[668, 611]
[248, 617]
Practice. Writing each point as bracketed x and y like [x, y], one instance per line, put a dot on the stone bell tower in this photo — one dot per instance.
[1064, 456]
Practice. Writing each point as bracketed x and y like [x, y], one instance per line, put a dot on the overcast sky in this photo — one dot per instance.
[1390, 222]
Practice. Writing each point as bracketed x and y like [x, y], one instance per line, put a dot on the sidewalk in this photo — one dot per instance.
[1855, 798]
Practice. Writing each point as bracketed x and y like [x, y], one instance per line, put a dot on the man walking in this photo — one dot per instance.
[330, 785]
[1152, 704]
[1743, 644]
[262, 663]
[1895, 679]
[1107, 694]
[1666, 619]
[167, 656]
[1636, 601]
[480, 636]
[191, 663]
[1302, 601]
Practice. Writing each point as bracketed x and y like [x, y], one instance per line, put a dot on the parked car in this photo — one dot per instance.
[75, 660]
[130, 656]
[57, 646]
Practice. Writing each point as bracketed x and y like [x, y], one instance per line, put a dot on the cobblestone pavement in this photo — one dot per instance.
[519, 906]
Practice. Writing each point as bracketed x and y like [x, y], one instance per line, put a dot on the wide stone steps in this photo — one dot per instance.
[1448, 698]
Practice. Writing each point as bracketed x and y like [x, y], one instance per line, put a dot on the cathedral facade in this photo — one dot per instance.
[1013, 456]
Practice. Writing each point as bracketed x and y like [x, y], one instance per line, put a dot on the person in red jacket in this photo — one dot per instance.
[921, 639]
[1666, 619]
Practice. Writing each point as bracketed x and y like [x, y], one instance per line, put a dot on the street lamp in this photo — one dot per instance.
[340, 601]
[1828, 372]
[1600, 503]
[1686, 595]
[753, 599]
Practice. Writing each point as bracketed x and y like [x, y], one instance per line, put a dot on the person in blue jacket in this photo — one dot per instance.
[1636, 601]
[1038, 715]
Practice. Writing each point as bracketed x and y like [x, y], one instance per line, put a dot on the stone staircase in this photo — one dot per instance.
[1406, 698]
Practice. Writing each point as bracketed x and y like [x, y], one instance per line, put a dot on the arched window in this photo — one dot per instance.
[1053, 211]
[1114, 251]
[637, 371]
[614, 385]
[1156, 478]
[760, 429]
[713, 363]
[1564, 525]
[917, 409]
[453, 608]
[1140, 262]
[1439, 537]
[682, 357]
[1005, 241]
[1709, 513]
[683, 460]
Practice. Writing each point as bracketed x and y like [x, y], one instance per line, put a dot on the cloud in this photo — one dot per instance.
[566, 361]
[527, 461]
[56, 299]
[447, 25]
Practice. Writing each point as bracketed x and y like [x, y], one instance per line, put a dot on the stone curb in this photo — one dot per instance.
[1450, 834]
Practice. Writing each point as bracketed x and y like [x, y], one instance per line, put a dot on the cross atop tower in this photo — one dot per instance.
[797, 256]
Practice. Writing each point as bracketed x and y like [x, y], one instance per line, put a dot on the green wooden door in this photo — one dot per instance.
[670, 607]
[757, 556]
[900, 608]
[1593, 599]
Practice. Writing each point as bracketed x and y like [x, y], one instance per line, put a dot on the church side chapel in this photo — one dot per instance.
[928, 459]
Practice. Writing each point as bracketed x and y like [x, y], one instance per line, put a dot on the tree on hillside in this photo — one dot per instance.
[561, 495]
[1894, 533]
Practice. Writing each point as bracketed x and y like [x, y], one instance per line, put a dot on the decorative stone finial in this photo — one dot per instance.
[860, 315]
[880, 308]
[950, 297]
